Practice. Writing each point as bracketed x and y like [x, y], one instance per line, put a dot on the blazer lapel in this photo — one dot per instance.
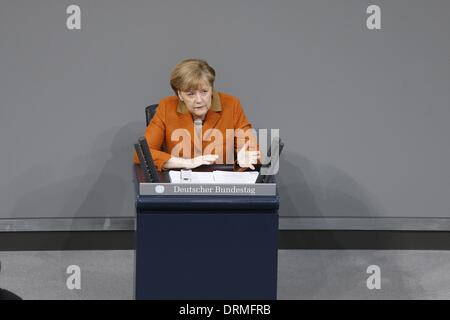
[212, 117]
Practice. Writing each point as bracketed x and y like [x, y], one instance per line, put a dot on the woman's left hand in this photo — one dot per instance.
[247, 159]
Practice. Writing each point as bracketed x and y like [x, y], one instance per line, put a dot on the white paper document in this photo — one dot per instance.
[217, 176]
[235, 177]
[195, 177]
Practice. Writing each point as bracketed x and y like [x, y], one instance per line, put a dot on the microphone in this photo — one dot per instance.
[198, 150]
[198, 122]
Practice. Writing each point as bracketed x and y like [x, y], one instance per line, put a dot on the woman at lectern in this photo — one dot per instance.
[199, 126]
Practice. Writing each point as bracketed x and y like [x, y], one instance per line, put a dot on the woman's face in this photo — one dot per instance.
[197, 101]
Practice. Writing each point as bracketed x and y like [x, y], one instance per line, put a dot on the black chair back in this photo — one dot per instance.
[150, 112]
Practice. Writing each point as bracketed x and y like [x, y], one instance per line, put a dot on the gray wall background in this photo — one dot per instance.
[364, 114]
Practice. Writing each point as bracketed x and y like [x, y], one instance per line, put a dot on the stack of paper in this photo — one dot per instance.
[235, 177]
[217, 176]
[196, 177]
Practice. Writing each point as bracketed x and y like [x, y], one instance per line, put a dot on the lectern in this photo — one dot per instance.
[203, 245]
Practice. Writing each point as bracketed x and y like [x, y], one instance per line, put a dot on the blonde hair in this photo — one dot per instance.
[189, 75]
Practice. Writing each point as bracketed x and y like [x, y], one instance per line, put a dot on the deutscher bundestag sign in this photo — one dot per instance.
[174, 189]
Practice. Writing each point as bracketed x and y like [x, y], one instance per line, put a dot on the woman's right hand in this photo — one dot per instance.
[177, 163]
[207, 159]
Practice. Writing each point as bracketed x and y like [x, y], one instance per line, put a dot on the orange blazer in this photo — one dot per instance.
[225, 113]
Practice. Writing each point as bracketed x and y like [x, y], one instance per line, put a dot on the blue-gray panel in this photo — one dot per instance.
[364, 114]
